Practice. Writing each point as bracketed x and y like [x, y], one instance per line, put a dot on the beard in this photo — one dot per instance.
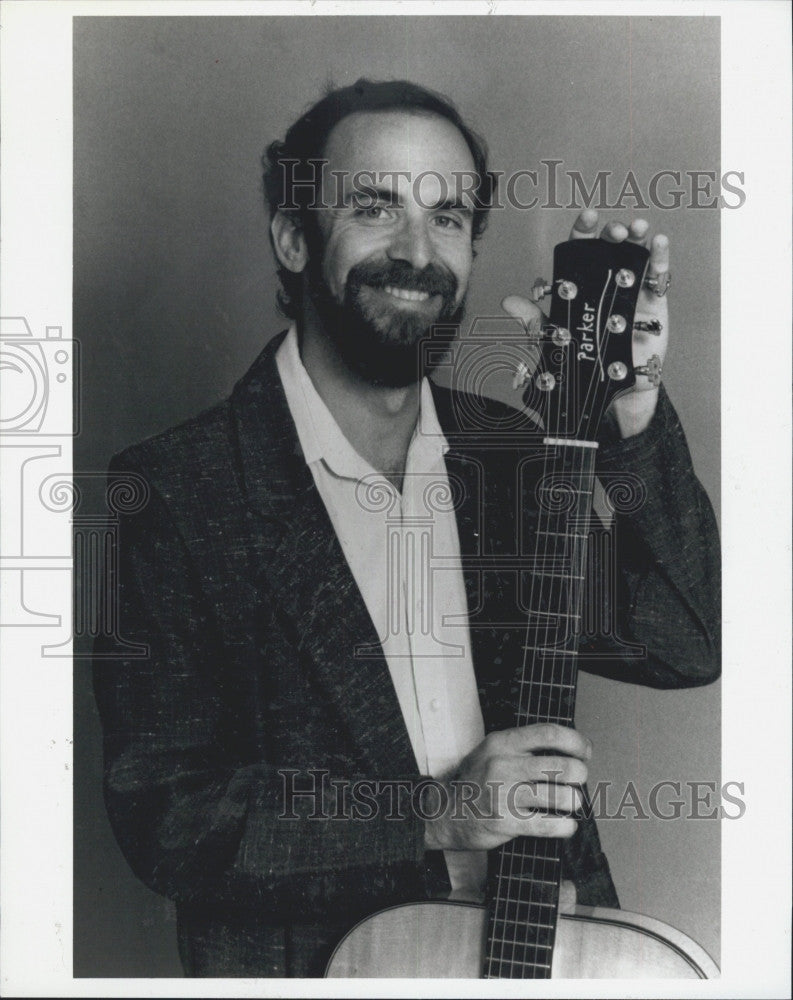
[378, 339]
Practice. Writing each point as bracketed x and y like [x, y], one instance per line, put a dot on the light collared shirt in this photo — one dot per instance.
[404, 553]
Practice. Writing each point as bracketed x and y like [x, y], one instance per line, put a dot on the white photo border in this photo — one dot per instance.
[36, 694]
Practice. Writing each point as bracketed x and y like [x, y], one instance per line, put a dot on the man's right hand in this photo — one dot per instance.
[517, 782]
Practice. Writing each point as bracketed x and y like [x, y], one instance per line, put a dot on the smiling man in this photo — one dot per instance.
[301, 648]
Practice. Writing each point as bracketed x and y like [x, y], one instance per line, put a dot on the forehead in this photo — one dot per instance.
[383, 141]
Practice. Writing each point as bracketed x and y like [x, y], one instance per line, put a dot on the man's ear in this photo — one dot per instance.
[289, 242]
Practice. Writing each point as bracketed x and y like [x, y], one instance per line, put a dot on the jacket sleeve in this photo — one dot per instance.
[196, 822]
[666, 551]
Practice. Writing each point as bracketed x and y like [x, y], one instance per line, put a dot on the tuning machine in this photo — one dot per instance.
[559, 336]
[652, 326]
[539, 290]
[567, 290]
[521, 376]
[653, 370]
[658, 283]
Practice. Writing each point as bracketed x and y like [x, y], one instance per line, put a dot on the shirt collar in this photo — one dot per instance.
[321, 437]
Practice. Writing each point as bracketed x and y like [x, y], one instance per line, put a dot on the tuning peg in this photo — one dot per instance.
[653, 370]
[625, 278]
[652, 326]
[540, 289]
[568, 290]
[521, 376]
[658, 283]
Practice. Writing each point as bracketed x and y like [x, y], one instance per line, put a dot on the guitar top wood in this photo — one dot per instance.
[446, 940]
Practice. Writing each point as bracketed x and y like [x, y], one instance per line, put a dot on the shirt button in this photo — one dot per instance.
[435, 705]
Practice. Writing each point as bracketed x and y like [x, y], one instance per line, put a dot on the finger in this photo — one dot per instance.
[637, 231]
[659, 255]
[614, 232]
[563, 770]
[585, 226]
[567, 896]
[523, 309]
[547, 736]
[562, 799]
[547, 826]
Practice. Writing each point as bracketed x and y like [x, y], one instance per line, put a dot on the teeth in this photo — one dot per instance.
[405, 293]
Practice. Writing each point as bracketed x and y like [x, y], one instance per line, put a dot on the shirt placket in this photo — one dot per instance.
[429, 674]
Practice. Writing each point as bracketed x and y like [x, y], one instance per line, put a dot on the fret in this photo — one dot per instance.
[516, 854]
[526, 944]
[530, 720]
[552, 650]
[546, 694]
[553, 614]
[507, 961]
[552, 684]
[515, 849]
[515, 952]
[539, 884]
[523, 867]
[516, 912]
[570, 442]
[534, 881]
[551, 906]
[551, 864]
[578, 492]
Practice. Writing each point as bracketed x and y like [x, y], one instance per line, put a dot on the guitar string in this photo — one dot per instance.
[573, 597]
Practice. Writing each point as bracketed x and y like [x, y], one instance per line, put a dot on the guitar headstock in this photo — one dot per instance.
[586, 348]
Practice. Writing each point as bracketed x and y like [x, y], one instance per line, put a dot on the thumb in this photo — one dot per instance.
[528, 312]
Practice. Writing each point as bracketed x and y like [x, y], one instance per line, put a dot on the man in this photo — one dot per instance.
[276, 577]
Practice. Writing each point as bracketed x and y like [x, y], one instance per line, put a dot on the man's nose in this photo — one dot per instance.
[411, 243]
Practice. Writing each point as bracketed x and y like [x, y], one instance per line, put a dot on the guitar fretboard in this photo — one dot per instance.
[525, 874]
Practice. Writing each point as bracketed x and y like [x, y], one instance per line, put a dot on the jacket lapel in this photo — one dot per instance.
[486, 528]
[305, 571]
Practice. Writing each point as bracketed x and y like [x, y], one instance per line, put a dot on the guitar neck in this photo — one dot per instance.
[526, 872]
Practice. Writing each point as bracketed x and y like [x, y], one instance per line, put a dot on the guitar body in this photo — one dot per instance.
[446, 940]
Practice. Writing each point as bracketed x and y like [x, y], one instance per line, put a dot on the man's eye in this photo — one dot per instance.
[448, 222]
[375, 213]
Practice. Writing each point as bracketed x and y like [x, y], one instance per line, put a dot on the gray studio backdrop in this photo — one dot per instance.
[174, 292]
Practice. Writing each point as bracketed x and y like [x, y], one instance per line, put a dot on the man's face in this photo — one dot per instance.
[397, 257]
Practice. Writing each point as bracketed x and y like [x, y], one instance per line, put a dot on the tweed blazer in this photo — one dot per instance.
[233, 577]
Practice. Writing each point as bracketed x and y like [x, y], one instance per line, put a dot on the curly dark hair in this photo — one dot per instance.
[306, 141]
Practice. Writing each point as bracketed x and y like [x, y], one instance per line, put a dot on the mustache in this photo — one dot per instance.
[378, 274]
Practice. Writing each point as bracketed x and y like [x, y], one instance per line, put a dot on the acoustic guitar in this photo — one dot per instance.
[580, 360]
